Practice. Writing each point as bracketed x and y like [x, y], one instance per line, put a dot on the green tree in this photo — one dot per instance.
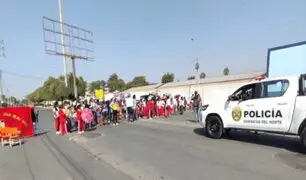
[114, 83]
[226, 71]
[136, 82]
[190, 77]
[202, 75]
[36, 96]
[168, 77]
[55, 89]
[96, 85]
[121, 85]
[24, 102]
[81, 86]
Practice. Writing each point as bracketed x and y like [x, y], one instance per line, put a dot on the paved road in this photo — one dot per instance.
[51, 157]
[155, 150]
[151, 150]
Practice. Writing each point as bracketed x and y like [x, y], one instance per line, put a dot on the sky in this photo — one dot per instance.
[148, 37]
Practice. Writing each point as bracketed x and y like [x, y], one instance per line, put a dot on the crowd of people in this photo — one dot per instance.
[82, 115]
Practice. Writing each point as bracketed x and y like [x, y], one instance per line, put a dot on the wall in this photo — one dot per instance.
[219, 91]
[183, 90]
[209, 92]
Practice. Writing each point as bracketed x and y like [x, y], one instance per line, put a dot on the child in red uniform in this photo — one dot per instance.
[62, 120]
[161, 106]
[81, 125]
[168, 107]
[149, 108]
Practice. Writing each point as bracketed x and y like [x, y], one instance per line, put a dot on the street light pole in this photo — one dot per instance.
[196, 67]
[63, 40]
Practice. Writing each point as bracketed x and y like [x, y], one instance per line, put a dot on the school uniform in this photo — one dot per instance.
[62, 121]
[81, 126]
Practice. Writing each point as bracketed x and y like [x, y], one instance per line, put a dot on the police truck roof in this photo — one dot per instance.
[274, 78]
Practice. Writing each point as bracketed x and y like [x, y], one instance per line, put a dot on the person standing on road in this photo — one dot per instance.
[68, 115]
[185, 104]
[168, 107]
[56, 118]
[149, 108]
[99, 114]
[87, 116]
[34, 115]
[161, 108]
[129, 107]
[106, 112]
[79, 120]
[197, 102]
[134, 107]
[115, 107]
[62, 119]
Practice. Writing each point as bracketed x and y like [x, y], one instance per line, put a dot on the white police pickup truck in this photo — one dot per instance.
[276, 105]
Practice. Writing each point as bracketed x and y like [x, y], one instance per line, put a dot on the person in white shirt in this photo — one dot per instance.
[129, 106]
[134, 107]
[160, 107]
[56, 118]
[174, 100]
[168, 107]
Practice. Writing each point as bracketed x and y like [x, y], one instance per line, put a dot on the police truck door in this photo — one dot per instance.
[239, 105]
[274, 107]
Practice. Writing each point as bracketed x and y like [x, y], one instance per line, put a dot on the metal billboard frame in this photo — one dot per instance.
[79, 44]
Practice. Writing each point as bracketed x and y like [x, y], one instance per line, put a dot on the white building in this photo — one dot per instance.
[208, 88]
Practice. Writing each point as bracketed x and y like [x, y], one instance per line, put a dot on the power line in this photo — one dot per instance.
[22, 75]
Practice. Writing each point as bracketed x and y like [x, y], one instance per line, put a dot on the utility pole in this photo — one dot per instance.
[63, 40]
[74, 78]
[2, 54]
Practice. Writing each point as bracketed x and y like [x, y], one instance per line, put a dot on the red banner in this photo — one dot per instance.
[19, 117]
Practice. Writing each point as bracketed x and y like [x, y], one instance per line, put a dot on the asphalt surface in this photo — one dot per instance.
[174, 149]
[52, 157]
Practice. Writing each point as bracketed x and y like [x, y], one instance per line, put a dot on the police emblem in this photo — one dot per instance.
[236, 114]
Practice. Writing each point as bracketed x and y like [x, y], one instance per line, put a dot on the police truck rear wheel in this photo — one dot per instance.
[303, 139]
[214, 127]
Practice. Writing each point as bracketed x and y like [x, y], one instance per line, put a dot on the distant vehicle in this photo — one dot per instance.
[276, 105]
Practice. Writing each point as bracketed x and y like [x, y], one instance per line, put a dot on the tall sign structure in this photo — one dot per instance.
[68, 41]
[2, 55]
[63, 40]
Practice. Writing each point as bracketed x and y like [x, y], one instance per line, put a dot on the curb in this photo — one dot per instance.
[163, 121]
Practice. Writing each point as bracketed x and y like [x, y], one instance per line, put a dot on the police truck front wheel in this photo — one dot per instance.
[214, 127]
[303, 139]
